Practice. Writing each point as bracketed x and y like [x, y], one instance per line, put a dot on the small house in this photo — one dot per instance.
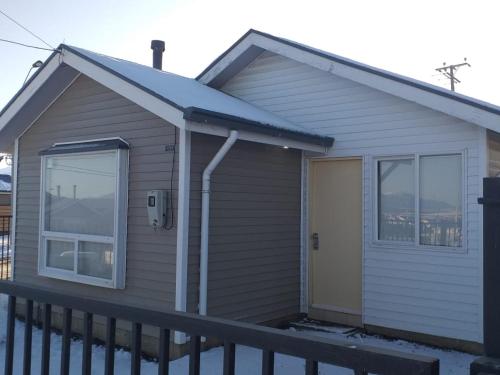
[283, 180]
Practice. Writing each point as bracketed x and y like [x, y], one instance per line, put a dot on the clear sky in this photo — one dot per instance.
[407, 37]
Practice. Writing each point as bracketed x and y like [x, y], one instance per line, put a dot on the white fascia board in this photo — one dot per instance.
[30, 90]
[226, 60]
[13, 222]
[254, 137]
[425, 98]
[125, 89]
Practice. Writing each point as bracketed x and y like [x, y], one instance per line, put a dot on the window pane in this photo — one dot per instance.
[80, 193]
[441, 200]
[60, 254]
[95, 259]
[396, 200]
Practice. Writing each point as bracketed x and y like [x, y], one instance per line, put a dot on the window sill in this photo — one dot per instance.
[419, 249]
[70, 276]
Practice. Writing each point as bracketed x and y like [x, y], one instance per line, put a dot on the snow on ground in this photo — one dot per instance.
[4, 246]
[248, 360]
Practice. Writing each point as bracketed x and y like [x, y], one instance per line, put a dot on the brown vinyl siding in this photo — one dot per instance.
[5, 199]
[254, 245]
[88, 110]
[493, 139]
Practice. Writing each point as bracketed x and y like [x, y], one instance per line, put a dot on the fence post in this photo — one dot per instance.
[491, 279]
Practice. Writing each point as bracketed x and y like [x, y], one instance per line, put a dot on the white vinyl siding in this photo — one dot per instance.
[431, 292]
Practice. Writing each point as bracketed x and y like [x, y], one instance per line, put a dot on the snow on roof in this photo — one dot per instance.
[183, 92]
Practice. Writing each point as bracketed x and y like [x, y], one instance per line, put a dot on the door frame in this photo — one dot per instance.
[305, 233]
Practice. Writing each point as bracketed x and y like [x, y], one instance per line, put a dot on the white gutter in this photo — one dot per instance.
[205, 217]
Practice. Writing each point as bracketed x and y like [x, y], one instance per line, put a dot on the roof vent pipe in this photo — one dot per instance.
[158, 47]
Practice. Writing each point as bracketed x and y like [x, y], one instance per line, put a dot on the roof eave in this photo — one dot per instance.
[237, 123]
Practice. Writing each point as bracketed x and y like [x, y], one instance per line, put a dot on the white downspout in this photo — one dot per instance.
[205, 217]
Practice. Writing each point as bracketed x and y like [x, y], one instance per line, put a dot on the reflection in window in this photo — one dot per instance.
[95, 259]
[396, 200]
[80, 193]
[60, 254]
[441, 200]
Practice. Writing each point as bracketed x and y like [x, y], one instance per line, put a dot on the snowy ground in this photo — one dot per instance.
[4, 245]
[248, 359]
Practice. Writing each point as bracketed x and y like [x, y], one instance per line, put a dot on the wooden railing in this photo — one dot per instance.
[5, 247]
[362, 359]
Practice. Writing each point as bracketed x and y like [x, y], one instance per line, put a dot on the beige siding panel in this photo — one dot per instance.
[493, 153]
[254, 246]
[5, 199]
[90, 111]
[370, 123]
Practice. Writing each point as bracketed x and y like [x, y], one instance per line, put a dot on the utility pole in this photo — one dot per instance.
[449, 72]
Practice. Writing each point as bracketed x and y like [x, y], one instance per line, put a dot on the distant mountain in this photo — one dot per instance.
[395, 202]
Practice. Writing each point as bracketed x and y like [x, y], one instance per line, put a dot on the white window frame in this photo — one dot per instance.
[119, 239]
[415, 244]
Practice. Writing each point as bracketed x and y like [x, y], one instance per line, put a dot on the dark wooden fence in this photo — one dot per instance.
[440, 231]
[361, 358]
[5, 247]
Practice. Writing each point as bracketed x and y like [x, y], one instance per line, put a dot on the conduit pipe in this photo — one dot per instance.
[205, 216]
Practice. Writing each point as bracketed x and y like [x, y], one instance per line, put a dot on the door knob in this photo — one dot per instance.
[315, 240]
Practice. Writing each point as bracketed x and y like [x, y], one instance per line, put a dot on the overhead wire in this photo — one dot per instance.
[26, 29]
[27, 45]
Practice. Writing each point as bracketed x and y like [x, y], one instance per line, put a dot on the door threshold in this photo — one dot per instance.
[351, 319]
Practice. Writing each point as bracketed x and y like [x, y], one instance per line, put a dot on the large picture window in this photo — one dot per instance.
[419, 200]
[83, 212]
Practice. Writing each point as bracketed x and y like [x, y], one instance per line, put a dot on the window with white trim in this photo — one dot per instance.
[83, 212]
[420, 200]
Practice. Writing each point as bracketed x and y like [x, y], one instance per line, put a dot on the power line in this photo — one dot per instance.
[449, 72]
[26, 29]
[26, 45]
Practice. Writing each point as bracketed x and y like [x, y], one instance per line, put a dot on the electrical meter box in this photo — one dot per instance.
[157, 208]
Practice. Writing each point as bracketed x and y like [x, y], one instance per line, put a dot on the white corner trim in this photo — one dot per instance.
[182, 227]
[304, 235]
[364, 189]
[483, 172]
[14, 208]
[125, 89]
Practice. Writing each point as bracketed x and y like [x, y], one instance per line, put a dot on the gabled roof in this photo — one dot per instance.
[155, 90]
[254, 42]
